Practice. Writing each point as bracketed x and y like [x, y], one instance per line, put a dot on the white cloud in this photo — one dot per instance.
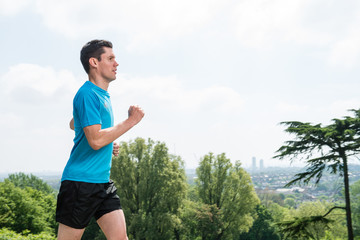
[329, 26]
[141, 22]
[341, 108]
[346, 52]
[76, 18]
[11, 121]
[12, 7]
[291, 108]
[171, 92]
[44, 80]
[36, 108]
[317, 113]
[261, 23]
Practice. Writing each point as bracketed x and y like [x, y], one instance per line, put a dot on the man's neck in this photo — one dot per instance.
[100, 82]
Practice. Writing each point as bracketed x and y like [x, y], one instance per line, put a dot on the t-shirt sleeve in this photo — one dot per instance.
[87, 107]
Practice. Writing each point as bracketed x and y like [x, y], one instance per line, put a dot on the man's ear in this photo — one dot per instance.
[93, 62]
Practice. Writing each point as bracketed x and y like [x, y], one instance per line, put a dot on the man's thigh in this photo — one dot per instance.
[69, 233]
[113, 225]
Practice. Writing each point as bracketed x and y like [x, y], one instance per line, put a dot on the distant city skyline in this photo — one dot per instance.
[255, 166]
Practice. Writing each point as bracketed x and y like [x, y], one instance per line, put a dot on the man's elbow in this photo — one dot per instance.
[95, 145]
[71, 124]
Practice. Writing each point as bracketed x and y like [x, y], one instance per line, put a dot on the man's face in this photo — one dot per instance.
[107, 66]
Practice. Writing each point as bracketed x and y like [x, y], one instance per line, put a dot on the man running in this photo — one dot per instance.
[86, 190]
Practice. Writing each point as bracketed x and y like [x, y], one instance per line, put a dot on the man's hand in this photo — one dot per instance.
[135, 114]
[116, 148]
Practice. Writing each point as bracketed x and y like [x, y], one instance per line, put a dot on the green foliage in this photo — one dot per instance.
[151, 185]
[228, 194]
[298, 228]
[330, 236]
[269, 197]
[93, 231]
[26, 209]
[313, 220]
[277, 212]
[355, 200]
[290, 202]
[23, 180]
[200, 221]
[6, 234]
[263, 227]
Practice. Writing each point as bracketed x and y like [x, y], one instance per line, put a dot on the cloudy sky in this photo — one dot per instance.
[212, 75]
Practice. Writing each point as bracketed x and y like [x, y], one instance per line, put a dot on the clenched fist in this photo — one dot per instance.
[116, 148]
[135, 114]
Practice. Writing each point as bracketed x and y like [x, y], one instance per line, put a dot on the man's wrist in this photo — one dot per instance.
[130, 122]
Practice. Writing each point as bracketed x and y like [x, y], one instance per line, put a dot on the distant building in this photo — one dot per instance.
[254, 163]
[290, 190]
[261, 164]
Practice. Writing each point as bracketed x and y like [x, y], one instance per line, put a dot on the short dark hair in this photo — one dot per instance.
[93, 49]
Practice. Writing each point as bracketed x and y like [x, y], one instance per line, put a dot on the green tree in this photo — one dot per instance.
[303, 217]
[152, 186]
[23, 180]
[324, 148]
[267, 197]
[229, 194]
[6, 234]
[277, 211]
[355, 199]
[263, 227]
[290, 202]
[26, 209]
[93, 231]
[200, 221]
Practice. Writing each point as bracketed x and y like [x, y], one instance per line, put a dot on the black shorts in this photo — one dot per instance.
[78, 202]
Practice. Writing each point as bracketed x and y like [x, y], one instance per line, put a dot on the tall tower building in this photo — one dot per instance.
[254, 163]
[261, 164]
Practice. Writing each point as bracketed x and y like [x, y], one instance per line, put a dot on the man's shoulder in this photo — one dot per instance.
[85, 90]
[85, 93]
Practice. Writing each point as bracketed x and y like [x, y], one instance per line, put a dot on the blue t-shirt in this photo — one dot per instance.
[91, 106]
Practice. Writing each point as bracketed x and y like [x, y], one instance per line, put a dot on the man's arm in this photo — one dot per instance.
[98, 138]
[72, 126]
[116, 146]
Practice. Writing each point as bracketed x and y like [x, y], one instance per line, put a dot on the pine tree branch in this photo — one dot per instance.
[331, 209]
